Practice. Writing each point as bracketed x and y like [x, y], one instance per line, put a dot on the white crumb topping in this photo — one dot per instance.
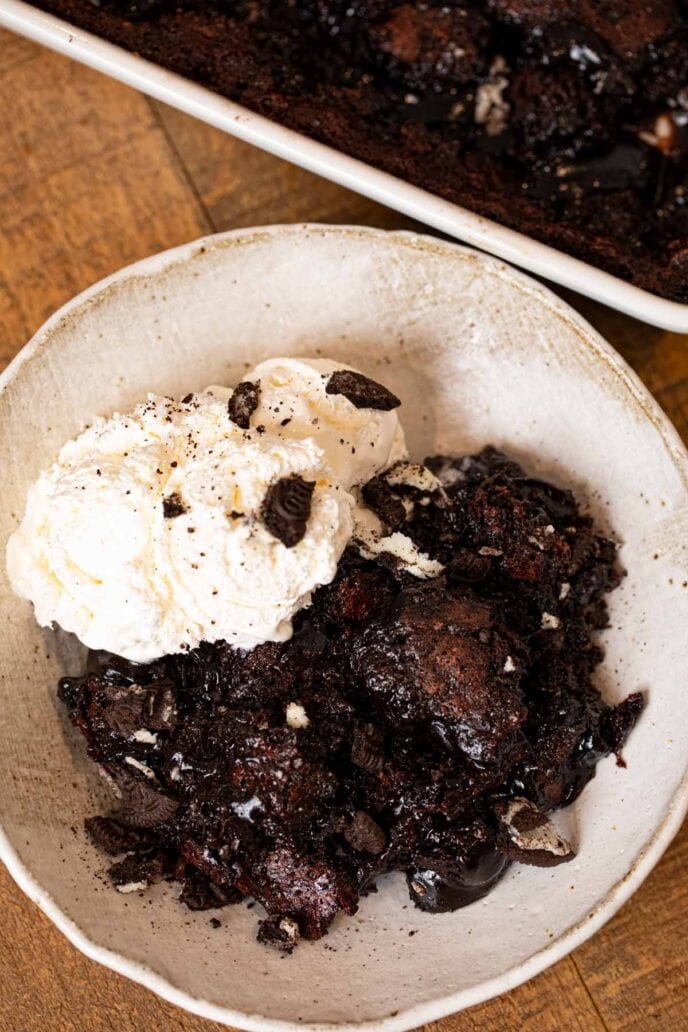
[245, 810]
[132, 886]
[145, 770]
[290, 928]
[412, 474]
[297, 717]
[491, 107]
[145, 737]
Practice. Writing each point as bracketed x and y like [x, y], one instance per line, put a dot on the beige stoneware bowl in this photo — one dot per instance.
[478, 353]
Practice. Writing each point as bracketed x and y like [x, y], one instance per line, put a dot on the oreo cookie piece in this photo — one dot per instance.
[379, 496]
[136, 872]
[243, 403]
[112, 837]
[361, 391]
[287, 507]
[123, 709]
[282, 933]
[367, 748]
[200, 893]
[528, 836]
[364, 834]
[133, 711]
[468, 567]
[160, 707]
[142, 805]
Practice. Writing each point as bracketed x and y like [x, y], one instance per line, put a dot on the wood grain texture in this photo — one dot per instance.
[88, 182]
[239, 185]
[92, 176]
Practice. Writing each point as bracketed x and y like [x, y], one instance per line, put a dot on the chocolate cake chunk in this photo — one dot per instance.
[458, 872]
[426, 45]
[308, 889]
[625, 26]
[271, 768]
[550, 117]
[439, 657]
[421, 726]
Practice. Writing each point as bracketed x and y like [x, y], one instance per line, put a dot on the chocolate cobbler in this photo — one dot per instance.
[565, 119]
[427, 726]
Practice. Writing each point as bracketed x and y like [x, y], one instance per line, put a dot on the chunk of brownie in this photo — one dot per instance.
[417, 726]
[435, 656]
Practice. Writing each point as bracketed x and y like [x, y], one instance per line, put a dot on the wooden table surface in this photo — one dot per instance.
[94, 176]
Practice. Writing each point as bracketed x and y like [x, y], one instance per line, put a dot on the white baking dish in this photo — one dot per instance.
[355, 175]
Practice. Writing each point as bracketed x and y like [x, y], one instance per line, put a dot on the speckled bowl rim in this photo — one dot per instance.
[632, 389]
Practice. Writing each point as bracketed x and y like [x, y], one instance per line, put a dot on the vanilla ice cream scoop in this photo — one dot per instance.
[294, 403]
[213, 518]
[149, 533]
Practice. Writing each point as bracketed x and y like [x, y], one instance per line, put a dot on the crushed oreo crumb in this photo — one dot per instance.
[138, 871]
[243, 403]
[281, 933]
[173, 506]
[201, 893]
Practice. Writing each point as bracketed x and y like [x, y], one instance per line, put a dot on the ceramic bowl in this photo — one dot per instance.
[478, 353]
[356, 175]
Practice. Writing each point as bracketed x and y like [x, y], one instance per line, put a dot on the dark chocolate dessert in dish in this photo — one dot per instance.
[423, 726]
[567, 120]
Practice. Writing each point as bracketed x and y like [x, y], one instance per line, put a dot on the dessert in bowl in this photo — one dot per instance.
[409, 669]
[324, 662]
